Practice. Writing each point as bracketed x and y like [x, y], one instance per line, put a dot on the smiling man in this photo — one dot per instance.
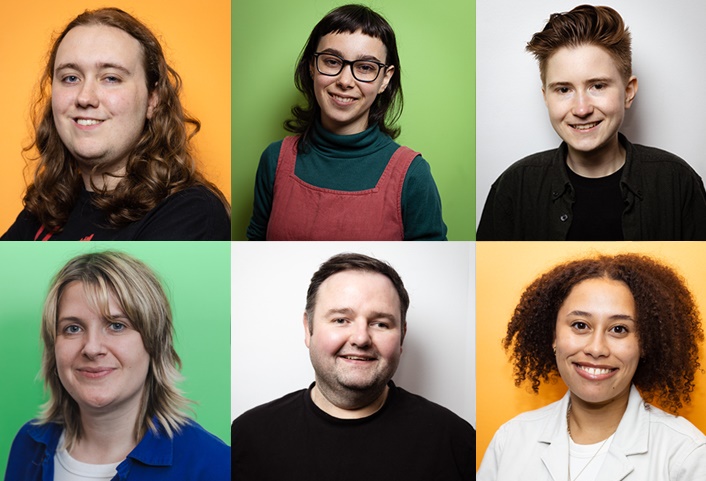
[596, 185]
[353, 422]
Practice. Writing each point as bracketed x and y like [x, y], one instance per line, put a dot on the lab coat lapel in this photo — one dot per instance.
[631, 437]
[555, 435]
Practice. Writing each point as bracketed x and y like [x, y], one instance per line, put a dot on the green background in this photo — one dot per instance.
[196, 278]
[436, 43]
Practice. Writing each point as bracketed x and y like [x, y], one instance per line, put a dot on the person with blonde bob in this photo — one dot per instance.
[109, 365]
[112, 143]
[621, 332]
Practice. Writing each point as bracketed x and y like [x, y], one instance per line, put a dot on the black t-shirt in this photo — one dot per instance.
[598, 207]
[195, 213]
[408, 439]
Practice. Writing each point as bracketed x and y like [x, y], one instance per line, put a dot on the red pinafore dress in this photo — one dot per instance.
[302, 211]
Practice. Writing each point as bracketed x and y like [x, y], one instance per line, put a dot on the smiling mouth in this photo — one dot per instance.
[584, 126]
[87, 122]
[343, 100]
[358, 358]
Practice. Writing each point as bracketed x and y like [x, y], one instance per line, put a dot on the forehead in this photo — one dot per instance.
[600, 294]
[359, 290]
[577, 64]
[77, 295]
[354, 45]
[92, 45]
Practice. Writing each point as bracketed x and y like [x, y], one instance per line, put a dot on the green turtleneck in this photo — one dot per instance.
[351, 163]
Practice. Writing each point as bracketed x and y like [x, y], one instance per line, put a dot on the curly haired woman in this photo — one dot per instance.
[620, 331]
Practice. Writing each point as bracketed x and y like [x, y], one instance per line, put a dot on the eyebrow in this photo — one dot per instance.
[605, 80]
[338, 53]
[372, 315]
[101, 66]
[618, 317]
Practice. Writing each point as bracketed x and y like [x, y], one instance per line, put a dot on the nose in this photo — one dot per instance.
[583, 104]
[360, 335]
[345, 78]
[93, 344]
[87, 94]
[597, 345]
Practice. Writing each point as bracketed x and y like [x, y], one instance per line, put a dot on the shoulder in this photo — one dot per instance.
[270, 412]
[531, 422]
[659, 160]
[423, 410]
[673, 427]
[193, 437]
[531, 167]
[272, 150]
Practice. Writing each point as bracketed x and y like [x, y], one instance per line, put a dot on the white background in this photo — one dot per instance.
[669, 112]
[269, 283]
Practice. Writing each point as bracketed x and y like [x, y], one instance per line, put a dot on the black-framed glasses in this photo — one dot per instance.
[362, 70]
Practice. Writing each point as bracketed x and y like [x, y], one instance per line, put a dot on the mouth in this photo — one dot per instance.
[342, 100]
[87, 122]
[594, 372]
[95, 372]
[584, 127]
[357, 358]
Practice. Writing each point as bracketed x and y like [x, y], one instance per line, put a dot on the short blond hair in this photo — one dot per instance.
[139, 293]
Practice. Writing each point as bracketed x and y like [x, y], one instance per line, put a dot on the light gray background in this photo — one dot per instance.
[269, 283]
[512, 121]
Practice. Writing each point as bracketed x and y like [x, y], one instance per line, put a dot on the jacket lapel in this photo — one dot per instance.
[555, 456]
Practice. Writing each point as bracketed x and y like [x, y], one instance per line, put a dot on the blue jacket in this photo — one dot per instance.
[193, 454]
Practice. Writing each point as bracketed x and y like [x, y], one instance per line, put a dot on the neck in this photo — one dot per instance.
[590, 423]
[356, 407]
[101, 180]
[106, 437]
[598, 163]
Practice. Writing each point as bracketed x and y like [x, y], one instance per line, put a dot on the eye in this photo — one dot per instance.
[70, 79]
[339, 320]
[112, 79]
[562, 90]
[381, 325]
[117, 326]
[365, 67]
[599, 86]
[620, 329]
[71, 329]
[579, 325]
[333, 62]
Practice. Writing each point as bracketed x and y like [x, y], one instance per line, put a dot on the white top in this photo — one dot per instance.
[587, 459]
[649, 445]
[67, 468]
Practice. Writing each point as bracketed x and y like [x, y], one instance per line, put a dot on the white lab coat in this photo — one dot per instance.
[649, 445]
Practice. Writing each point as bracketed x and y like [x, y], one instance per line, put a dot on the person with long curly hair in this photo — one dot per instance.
[342, 176]
[110, 367]
[112, 142]
[620, 331]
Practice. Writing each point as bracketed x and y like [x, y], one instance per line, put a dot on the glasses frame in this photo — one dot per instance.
[350, 63]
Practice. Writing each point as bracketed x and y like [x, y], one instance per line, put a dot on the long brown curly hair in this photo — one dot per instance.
[668, 324]
[161, 163]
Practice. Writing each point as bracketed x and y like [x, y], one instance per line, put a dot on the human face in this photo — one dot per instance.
[586, 97]
[357, 335]
[596, 342]
[102, 363]
[344, 101]
[99, 97]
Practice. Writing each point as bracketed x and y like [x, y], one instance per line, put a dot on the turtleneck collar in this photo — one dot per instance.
[366, 142]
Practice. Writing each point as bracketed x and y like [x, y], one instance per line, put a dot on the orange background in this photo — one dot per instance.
[196, 41]
[503, 270]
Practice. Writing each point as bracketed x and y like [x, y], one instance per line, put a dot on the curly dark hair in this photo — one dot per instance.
[161, 164]
[668, 324]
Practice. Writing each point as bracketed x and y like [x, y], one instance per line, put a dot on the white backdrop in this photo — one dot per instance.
[269, 283]
[668, 60]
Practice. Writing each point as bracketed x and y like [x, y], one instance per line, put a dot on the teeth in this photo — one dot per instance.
[343, 99]
[595, 371]
[356, 358]
[585, 126]
[87, 122]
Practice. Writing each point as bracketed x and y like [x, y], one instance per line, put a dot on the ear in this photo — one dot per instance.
[630, 91]
[544, 95]
[152, 102]
[307, 334]
[389, 72]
